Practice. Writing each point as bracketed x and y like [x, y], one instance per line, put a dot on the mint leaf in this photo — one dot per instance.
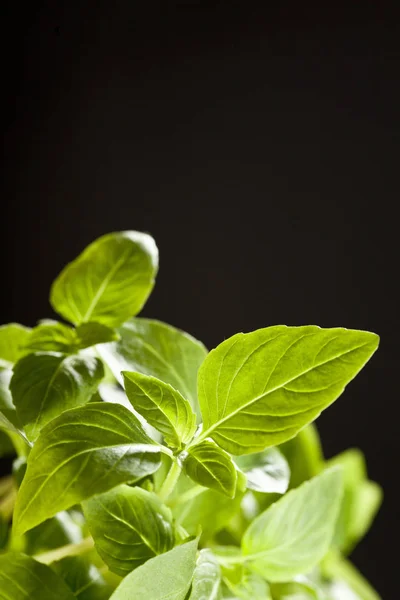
[291, 536]
[109, 282]
[212, 467]
[206, 577]
[165, 577]
[155, 348]
[259, 389]
[22, 577]
[45, 385]
[162, 406]
[83, 452]
[266, 471]
[361, 500]
[13, 338]
[129, 525]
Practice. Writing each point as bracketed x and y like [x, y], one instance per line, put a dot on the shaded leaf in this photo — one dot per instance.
[83, 578]
[45, 385]
[160, 350]
[361, 500]
[129, 525]
[83, 452]
[22, 577]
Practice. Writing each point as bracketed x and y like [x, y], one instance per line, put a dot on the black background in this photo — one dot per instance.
[259, 147]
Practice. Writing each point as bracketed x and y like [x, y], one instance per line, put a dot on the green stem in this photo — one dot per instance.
[69, 550]
[170, 480]
[187, 496]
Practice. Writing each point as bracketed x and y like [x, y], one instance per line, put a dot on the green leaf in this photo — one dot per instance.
[266, 471]
[252, 587]
[45, 385]
[212, 467]
[206, 577]
[9, 421]
[57, 337]
[154, 348]
[304, 455]
[83, 452]
[129, 525]
[259, 389]
[13, 338]
[210, 508]
[22, 577]
[6, 447]
[83, 578]
[361, 500]
[58, 531]
[91, 334]
[109, 282]
[162, 406]
[345, 579]
[295, 591]
[293, 535]
[52, 337]
[167, 576]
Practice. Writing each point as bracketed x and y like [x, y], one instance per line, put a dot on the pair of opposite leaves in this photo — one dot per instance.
[255, 390]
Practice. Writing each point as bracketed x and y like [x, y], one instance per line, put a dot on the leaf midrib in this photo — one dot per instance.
[104, 284]
[208, 431]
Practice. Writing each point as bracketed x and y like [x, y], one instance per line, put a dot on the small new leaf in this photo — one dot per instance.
[22, 577]
[155, 348]
[167, 576]
[162, 406]
[83, 452]
[212, 467]
[294, 534]
[45, 385]
[109, 282]
[259, 389]
[129, 526]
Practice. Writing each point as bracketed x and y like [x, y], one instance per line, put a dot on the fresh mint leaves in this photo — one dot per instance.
[146, 467]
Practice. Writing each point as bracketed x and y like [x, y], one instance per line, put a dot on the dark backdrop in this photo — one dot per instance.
[261, 151]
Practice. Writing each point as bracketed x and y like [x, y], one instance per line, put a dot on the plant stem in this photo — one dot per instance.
[187, 496]
[170, 480]
[69, 550]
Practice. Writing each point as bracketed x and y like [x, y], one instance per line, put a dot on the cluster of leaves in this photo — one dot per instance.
[147, 467]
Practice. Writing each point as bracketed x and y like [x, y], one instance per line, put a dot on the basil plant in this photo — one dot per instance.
[148, 468]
